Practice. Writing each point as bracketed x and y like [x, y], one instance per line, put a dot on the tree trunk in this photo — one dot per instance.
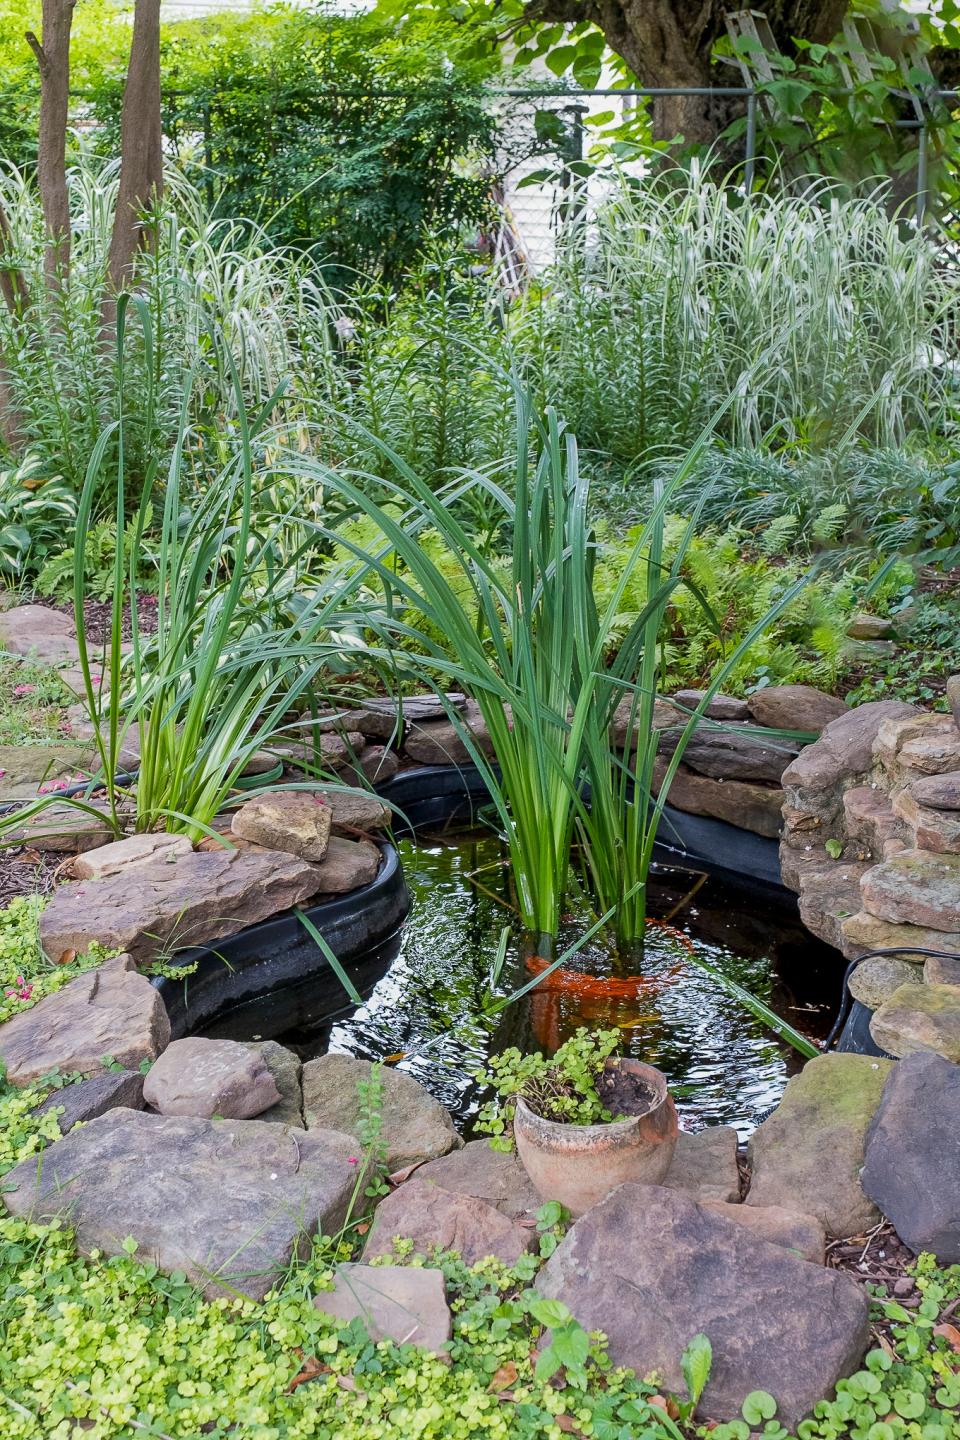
[53, 58]
[13, 289]
[668, 44]
[141, 152]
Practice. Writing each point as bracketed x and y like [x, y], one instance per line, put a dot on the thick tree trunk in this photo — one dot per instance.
[141, 152]
[13, 290]
[53, 58]
[668, 43]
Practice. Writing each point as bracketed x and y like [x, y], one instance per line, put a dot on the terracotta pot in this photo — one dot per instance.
[580, 1164]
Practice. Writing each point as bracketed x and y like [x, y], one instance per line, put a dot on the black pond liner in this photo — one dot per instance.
[267, 956]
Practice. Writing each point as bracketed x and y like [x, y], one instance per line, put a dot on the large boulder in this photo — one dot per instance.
[203, 896]
[802, 1235]
[652, 1269]
[495, 1176]
[795, 707]
[210, 1077]
[295, 821]
[403, 1303]
[228, 1202]
[111, 1011]
[48, 635]
[808, 1154]
[438, 1219]
[920, 1017]
[414, 1126]
[915, 888]
[845, 747]
[912, 1168]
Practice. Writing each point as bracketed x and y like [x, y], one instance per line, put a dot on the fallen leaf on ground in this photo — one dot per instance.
[311, 1369]
[951, 1334]
[504, 1377]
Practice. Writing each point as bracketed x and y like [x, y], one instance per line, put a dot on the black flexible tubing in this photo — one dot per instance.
[870, 954]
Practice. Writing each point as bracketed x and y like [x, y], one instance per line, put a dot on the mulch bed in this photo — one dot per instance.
[878, 1258]
[28, 872]
[98, 616]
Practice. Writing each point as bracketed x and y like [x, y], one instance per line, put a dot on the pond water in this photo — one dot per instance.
[427, 986]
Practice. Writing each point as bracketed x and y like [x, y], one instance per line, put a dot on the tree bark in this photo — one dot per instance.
[53, 58]
[13, 289]
[141, 152]
[668, 44]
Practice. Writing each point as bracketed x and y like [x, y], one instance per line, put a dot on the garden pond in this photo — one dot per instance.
[428, 989]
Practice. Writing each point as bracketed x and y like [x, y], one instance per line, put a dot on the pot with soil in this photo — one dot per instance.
[584, 1121]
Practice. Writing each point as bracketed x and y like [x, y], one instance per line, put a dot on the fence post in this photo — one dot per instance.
[750, 147]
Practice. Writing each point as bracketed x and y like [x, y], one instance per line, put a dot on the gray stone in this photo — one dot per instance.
[929, 829]
[228, 1202]
[875, 980]
[652, 1269]
[953, 697]
[205, 896]
[379, 715]
[731, 754]
[495, 1176]
[438, 1219]
[64, 829]
[295, 821]
[795, 707]
[403, 1303]
[127, 853]
[939, 970]
[87, 1099]
[915, 888]
[720, 707]
[870, 822]
[940, 792]
[920, 1017]
[356, 812]
[747, 805]
[438, 742]
[912, 1169]
[803, 1235]
[829, 893]
[926, 744]
[286, 1069]
[202, 1077]
[24, 768]
[871, 627]
[705, 1164]
[807, 1155]
[845, 746]
[347, 865]
[414, 1126]
[108, 1011]
[48, 635]
[330, 752]
[375, 766]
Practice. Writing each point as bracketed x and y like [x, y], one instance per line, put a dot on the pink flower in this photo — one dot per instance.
[23, 990]
[352, 1160]
[20, 690]
[3, 772]
[51, 786]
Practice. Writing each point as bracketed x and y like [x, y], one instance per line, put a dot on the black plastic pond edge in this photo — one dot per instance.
[277, 952]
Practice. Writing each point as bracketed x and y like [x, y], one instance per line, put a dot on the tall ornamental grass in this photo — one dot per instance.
[659, 304]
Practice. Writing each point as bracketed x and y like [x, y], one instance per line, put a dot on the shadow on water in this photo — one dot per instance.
[425, 990]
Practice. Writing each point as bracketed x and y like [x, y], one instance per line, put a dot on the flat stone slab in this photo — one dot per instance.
[920, 1017]
[828, 894]
[202, 1077]
[744, 803]
[414, 1126]
[24, 768]
[286, 1068]
[226, 1201]
[915, 888]
[732, 754]
[375, 766]
[941, 970]
[204, 896]
[912, 1168]
[719, 707]
[929, 829]
[64, 829]
[495, 1176]
[132, 851]
[295, 821]
[652, 1269]
[438, 1219]
[48, 635]
[705, 1164]
[85, 1100]
[357, 811]
[795, 707]
[941, 792]
[862, 931]
[875, 980]
[402, 1303]
[808, 1154]
[108, 1011]
[802, 1235]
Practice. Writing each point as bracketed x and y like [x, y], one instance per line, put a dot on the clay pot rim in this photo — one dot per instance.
[557, 1129]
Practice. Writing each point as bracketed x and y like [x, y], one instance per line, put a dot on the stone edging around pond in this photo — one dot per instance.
[267, 1150]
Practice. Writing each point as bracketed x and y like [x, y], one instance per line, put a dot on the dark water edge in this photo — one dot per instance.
[425, 989]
